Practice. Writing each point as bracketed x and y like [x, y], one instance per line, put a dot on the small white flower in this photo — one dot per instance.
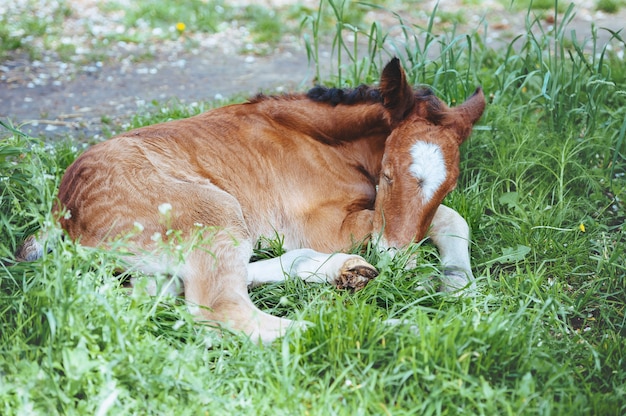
[138, 226]
[156, 237]
[165, 208]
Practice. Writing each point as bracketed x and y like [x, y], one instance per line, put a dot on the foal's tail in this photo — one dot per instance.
[30, 250]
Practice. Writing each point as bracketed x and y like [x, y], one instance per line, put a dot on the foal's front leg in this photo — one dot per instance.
[346, 271]
[451, 234]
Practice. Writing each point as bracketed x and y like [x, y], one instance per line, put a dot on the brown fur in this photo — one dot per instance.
[305, 167]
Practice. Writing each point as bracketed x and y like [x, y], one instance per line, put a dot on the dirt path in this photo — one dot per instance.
[51, 99]
[80, 105]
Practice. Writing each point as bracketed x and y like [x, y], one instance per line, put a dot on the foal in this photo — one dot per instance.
[324, 170]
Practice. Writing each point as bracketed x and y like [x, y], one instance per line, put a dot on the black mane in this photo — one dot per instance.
[334, 96]
[424, 96]
[362, 93]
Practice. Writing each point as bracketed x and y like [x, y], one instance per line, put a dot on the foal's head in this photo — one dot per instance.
[420, 165]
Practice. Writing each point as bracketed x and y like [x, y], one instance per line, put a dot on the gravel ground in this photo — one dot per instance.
[52, 98]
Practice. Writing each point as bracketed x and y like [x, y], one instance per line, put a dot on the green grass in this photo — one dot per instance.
[542, 187]
[32, 26]
[36, 27]
[546, 5]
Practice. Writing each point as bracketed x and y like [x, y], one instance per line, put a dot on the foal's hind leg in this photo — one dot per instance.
[215, 285]
[346, 271]
[212, 263]
[450, 233]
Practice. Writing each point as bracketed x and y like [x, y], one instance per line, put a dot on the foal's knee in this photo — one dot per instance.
[451, 234]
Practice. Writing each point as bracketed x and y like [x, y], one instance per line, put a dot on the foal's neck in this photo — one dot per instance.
[334, 125]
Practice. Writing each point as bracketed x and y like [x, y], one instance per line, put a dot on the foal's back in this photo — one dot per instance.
[287, 165]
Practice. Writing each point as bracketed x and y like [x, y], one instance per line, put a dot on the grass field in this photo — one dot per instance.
[542, 186]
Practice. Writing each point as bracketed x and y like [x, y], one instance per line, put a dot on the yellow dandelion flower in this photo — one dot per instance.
[581, 227]
[180, 26]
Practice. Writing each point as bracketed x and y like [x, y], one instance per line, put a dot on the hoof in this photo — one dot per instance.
[456, 281]
[355, 274]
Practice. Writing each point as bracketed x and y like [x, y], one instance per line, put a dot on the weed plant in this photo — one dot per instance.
[542, 187]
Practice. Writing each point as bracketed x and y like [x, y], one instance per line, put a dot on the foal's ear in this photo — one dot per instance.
[398, 97]
[463, 117]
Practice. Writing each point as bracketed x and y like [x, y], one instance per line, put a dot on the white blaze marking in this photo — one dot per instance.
[428, 167]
